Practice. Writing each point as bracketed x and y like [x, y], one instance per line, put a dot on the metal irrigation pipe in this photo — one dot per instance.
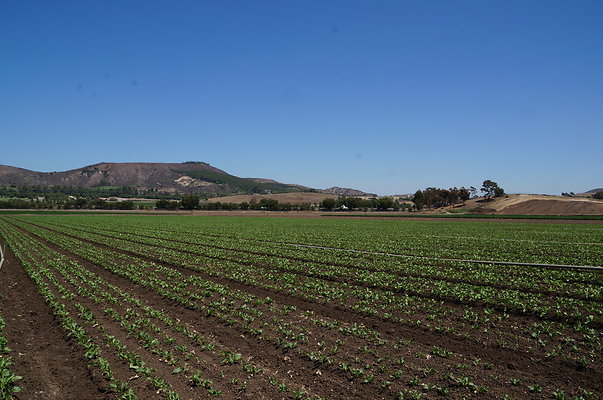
[2, 255]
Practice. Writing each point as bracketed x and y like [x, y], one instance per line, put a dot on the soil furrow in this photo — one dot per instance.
[392, 331]
[451, 301]
[284, 364]
[344, 265]
[42, 353]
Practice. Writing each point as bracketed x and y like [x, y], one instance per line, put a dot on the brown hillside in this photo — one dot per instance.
[525, 204]
[188, 177]
[554, 207]
[162, 176]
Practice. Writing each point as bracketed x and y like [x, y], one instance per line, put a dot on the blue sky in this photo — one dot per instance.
[384, 96]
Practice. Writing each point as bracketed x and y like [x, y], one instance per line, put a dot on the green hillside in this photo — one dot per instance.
[238, 184]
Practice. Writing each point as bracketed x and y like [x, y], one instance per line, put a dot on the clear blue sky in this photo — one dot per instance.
[383, 96]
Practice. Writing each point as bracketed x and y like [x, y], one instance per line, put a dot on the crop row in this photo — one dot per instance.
[366, 295]
[580, 342]
[73, 292]
[558, 283]
[520, 242]
[367, 361]
[241, 311]
[8, 380]
[507, 300]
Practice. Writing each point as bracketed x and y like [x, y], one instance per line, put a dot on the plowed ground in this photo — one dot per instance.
[53, 366]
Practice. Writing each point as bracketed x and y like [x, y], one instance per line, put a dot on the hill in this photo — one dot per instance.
[527, 204]
[189, 177]
[176, 178]
[347, 192]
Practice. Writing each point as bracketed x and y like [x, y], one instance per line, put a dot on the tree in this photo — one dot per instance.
[433, 197]
[98, 203]
[491, 189]
[383, 203]
[418, 199]
[464, 194]
[352, 202]
[269, 204]
[80, 202]
[124, 205]
[189, 202]
[164, 204]
[328, 204]
[305, 206]
[598, 195]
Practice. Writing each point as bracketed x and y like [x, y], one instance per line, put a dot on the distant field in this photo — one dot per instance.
[468, 216]
[295, 197]
[70, 212]
[183, 307]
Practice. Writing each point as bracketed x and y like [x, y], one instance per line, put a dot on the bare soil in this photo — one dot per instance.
[554, 207]
[529, 204]
[52, 366]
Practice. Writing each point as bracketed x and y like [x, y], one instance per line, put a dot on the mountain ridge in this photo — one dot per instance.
[191, 177]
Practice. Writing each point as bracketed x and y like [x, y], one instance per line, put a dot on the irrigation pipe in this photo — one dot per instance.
[583, 267]
[2, 255]
[587, 267]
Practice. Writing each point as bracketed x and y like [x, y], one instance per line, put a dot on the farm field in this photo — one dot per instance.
[195, 307]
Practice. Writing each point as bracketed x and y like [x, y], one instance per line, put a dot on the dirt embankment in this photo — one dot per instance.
[526, 204]
[554, 207]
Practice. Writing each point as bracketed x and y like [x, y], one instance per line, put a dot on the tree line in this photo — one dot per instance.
[63, 192]
[80, 203]
[357, 203]
[192, 202]
[431, 197]
[435, 197]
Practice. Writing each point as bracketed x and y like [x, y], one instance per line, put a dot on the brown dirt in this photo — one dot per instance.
[554, 207]
[42, 354]
[532, 204]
